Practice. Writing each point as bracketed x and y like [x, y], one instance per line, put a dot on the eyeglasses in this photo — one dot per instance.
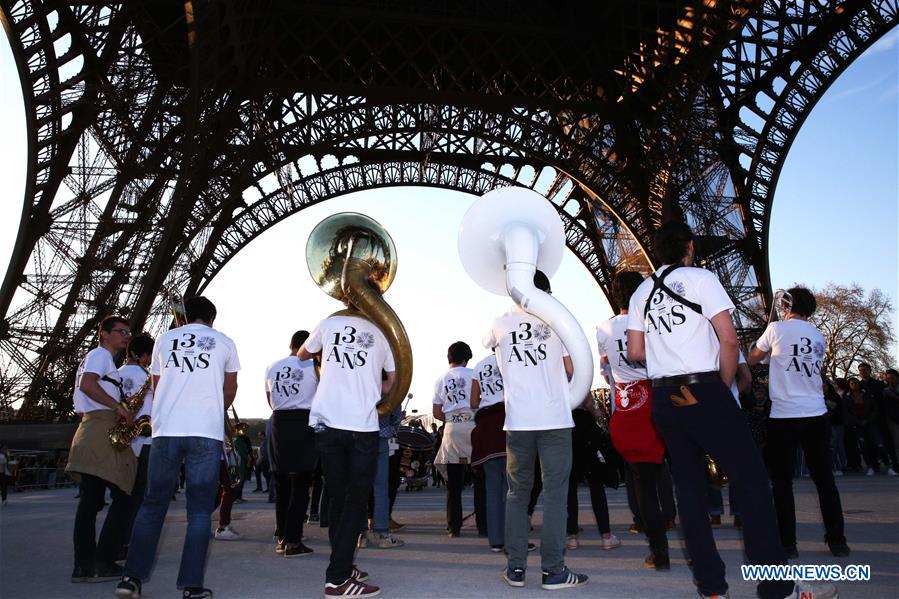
[122, 332]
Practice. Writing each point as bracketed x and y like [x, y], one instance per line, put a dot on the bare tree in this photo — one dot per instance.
[857, 328]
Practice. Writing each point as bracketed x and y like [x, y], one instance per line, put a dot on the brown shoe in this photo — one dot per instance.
[659, 563]
[394, 525]
[351, 588]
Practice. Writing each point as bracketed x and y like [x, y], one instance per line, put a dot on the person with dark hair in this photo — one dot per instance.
[536, 369]
[633, 433]
[799, 419]
[290, 385]
[453, 393]
[875, 388]
[679, 323]
[488, 447]
[380, 506]
[865, 421]
[95, 463]
[136, 379]
[357, 370]
[194, 370]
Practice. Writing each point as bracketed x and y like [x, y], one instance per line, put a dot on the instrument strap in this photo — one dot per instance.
[117, 384]
[658, 283]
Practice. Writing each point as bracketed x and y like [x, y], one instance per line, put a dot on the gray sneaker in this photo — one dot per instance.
[805, 589]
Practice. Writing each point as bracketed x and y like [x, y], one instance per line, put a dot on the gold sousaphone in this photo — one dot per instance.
[353, 259]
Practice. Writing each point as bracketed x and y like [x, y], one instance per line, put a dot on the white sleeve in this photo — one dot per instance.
[313, 343]
[635, 314]
[389, 363]
[714, 298]
[232, 364]
[156, 363]
[97, 363]
[438, 397]
[490, 340]
[601, 342]
[766, 341]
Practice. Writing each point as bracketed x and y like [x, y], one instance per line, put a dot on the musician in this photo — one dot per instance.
[134, 375]
[194, 371]
[345, 419]
[799, 419]
[290, 386]
[381, 506]
[633, 433]
[679, 324]
[453, 393]
[488, 446]
[95, 463]
[536, 369]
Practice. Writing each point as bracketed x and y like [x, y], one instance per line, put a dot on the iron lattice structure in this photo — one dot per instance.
[164, 136]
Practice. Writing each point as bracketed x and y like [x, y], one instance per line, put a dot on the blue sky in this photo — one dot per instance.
[835, 219]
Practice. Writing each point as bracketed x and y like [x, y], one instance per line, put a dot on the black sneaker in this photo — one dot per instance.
[313, 517]
[298, 550]
[497, 548]
[107, 572]
[196, 593]
[129, 588]
[839, 549]
[514, 576]
[82, 574]
[563, 579]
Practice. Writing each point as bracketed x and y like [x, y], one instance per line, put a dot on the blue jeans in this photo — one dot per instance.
[201, 458]
[381, 522]
[495, 481]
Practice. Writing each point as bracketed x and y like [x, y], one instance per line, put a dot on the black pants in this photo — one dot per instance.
[652, 516]
[317, 486]
[597, 501]
[348, 462]
[291, 501]
[664, 490]
[140, 487]
[479, 483]
[715, 425]
[88, 552]
[813, 436]
[455, 479]
[262, 473]
[4, 483]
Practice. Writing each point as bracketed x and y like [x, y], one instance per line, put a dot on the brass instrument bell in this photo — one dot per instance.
[353, 259]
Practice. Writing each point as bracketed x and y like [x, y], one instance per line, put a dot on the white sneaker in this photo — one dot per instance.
[611, 543]
[571, 542]
[870, 472]
[362, 543]
[815, 590]
[388, 542]
[226, 534]
[891, 472]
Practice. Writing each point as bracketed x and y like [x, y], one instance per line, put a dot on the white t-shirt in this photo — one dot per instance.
[529, 354]
[133, 377]
[291, 383]
[191, 362]
[490, 379]
[611, 340]
[354, 352]
[678, 340]
[794, 377]
[453, 392]
[100, 362]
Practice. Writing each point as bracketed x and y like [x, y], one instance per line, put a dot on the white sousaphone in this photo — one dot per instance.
[505, 237]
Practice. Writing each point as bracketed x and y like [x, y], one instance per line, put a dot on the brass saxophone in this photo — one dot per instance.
[121, 435]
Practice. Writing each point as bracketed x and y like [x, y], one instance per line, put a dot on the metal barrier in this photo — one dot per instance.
[30, 478]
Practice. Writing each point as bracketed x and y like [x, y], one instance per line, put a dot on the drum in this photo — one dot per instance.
[416, 453]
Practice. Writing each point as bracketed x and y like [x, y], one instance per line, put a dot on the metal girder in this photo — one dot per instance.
[164, 136]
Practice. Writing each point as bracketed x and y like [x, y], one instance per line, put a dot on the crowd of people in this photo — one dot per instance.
[682, 396]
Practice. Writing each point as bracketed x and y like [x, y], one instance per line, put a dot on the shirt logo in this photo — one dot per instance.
[526, 348]
[803, 357]
[206, 343]
[297, 375]
[127, 385]
[347, 349]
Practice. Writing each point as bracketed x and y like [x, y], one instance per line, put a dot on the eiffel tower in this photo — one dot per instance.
[164, 136]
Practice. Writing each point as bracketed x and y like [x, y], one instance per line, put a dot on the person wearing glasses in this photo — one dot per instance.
[95, 463]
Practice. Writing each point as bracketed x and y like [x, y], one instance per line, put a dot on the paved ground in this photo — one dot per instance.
[36, 552]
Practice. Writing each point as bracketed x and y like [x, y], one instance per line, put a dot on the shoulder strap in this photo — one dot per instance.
[659, 285]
